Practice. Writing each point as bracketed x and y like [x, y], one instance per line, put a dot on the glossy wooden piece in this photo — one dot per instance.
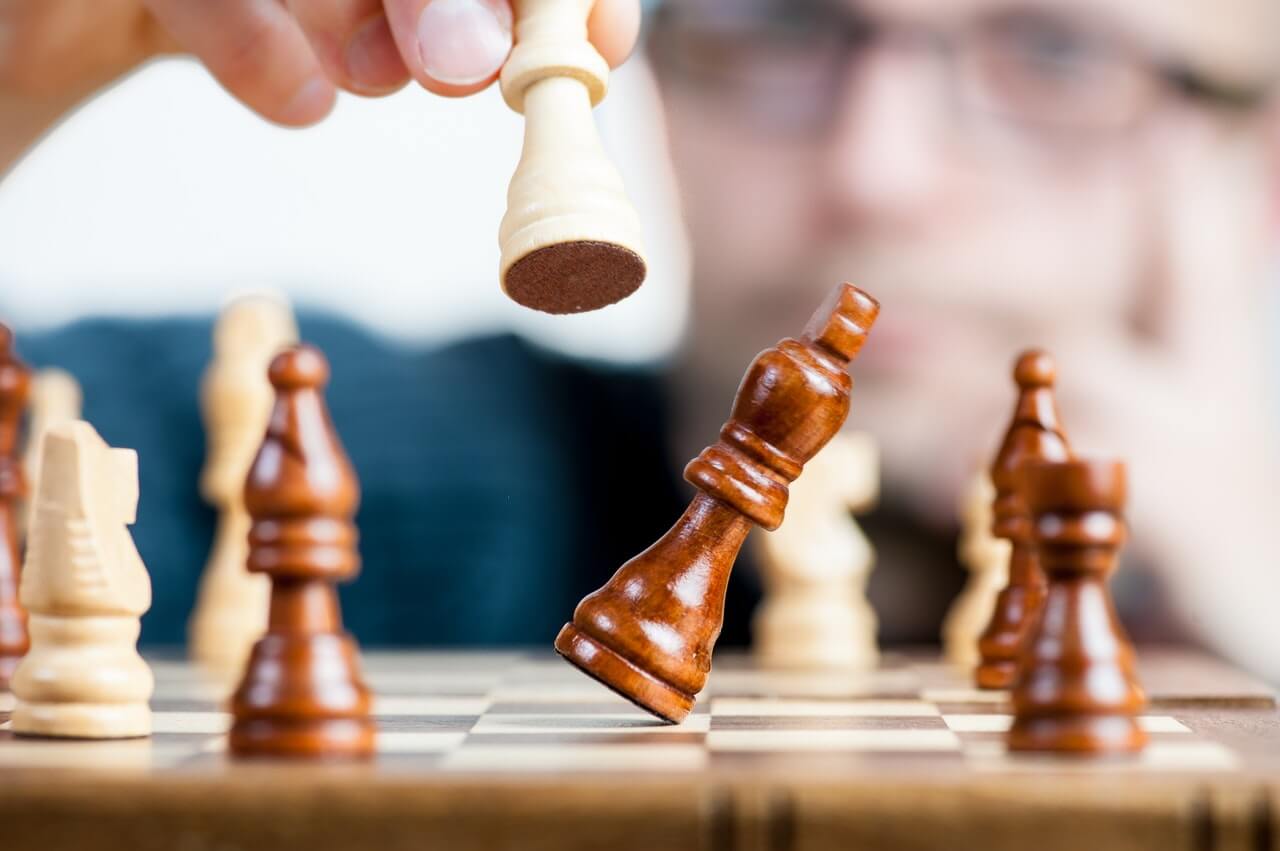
[302, 694]
[1077, 690]
[15, 388]
[1034, 435]
[649, 632]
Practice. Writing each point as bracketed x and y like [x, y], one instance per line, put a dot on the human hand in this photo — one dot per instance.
[285, 59]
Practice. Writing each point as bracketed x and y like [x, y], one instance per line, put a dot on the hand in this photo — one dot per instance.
[284, 59]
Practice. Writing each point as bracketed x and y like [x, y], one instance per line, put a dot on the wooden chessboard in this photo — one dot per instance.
[521, 750]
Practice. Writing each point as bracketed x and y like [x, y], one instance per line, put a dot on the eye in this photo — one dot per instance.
[1043, 46]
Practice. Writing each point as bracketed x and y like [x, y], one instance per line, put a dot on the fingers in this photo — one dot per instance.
[257, 51]
[452, 47]
[352, 39]
[458, 47]
[613, 28]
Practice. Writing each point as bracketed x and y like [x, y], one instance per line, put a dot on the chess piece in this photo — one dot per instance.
[236, 398]
[1076, 689]
[570, 240]
[649, 632]
[15, 386]
[302, 694]
[85, 588]
[987, 559]
[1034, 435]
[55, 399]
[815, 612]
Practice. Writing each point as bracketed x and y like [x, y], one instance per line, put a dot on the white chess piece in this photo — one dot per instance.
[236, 398]
[55, 399]
[84, 588]
[571, 239]
[815, 612]
[987, 559]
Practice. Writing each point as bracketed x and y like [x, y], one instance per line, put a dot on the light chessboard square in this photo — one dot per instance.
[1002, 723]
[767, 741]
[619, 724]
[585, 758]
[722, 707]
[444, 705]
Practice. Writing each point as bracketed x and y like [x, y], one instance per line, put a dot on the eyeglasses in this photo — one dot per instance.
[1042, 68]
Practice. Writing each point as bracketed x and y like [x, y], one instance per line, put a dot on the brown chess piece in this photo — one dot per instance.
[15, 387]
[649, 632]
[1076, 689]
[1034, 435]
[302, 695]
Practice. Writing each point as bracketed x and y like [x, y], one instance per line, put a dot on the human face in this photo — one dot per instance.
[991, 196]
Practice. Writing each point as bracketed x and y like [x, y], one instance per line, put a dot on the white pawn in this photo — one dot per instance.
[815, 612]
[236, 399]
[84, 588]
[571, 240]
[987, 559]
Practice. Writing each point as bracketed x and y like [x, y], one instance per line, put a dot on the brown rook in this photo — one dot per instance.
[15, 388]
[302, 694]
[649, 632]
[1035, 434]
[1076, 689]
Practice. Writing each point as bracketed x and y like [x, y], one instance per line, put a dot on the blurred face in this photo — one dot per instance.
[996, 172]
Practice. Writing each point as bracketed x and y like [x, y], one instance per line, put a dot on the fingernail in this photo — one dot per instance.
[372, 61]
[462, 42]
[311, 102]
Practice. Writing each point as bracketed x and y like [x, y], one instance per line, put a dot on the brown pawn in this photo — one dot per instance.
[302, 694]
[1034, 435]
[15, 387]
[649, 632]
[1076, 689]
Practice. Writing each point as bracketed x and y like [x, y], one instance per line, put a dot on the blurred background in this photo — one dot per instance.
[1097, 179]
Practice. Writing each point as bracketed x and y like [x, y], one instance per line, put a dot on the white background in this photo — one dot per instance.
[164, 195]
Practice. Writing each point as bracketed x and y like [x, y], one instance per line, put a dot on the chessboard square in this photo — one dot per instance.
[579, 739]
[579, 690]
[830, 722]
[190, 722]
[447, 705]
[412, 742]
[723, 707]
[128, 755]
[814, 684]
[992, 756]
[426, 723]
[533, 707]
[614, 724]
[965, 695]
[999, 723]
[663, 759]
[823, 740]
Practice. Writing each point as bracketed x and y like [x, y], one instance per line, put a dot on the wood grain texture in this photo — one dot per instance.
[15, 388]
[1034, 434]
[1077, 690]
[650, 631]
[302, 694]
[179, 788]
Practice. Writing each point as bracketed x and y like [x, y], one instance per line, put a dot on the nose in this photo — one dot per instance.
[884, 156]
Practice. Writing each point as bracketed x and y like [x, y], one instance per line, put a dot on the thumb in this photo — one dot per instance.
[458, 47]
[452, 47]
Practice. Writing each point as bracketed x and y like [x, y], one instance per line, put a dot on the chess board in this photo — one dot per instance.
[516, 723]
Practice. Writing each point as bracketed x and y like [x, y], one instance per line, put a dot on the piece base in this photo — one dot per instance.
[320, 738]
[574, 277]
[1079, 734]
[995, 675]
[81, 720]
[622, 676]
